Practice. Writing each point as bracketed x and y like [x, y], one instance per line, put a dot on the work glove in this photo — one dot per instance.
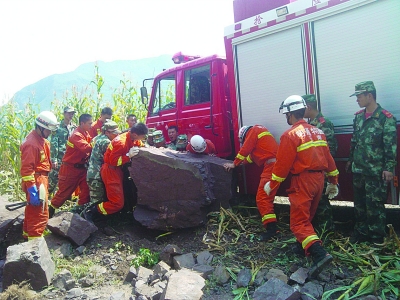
[332, 190]
[267, 188]
[133, 151]
[33, 196]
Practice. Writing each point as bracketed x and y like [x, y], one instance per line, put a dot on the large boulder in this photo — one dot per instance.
[178, 190]
[30, 261]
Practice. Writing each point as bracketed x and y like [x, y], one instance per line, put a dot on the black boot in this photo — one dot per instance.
[52, 210]
[271, 232]
[320, 258]
[298, 249]
[91, 213]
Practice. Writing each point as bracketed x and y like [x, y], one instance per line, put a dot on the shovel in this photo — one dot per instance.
[42, 197]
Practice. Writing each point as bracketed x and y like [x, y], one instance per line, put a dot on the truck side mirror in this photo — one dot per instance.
[144, 96]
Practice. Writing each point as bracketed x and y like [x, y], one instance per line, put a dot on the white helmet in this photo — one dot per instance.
[243, 132]
[47, 120]
[292, 103]
[198, 143]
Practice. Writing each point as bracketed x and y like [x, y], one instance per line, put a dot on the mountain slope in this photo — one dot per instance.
[47, 89]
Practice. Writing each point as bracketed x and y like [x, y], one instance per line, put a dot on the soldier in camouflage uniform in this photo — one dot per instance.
[58, 146]
[173, 135]
[372, 160]
[93, 178]
[323, 219]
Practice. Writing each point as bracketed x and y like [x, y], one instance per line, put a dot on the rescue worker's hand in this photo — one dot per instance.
[332, 190]
[33, 196]
[267, 188]
[229, 166]
[386, 175]
[133, 151]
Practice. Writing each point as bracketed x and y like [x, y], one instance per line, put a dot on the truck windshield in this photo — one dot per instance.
[197, 85]
[164, 95]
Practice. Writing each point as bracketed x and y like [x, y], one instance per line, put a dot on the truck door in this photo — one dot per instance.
[163, 109]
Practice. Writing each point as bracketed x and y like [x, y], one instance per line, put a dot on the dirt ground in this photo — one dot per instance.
[231, 238]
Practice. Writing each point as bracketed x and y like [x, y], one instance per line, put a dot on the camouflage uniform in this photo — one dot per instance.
[373, 150]
[93, 178]
[58, 146]
[171, 146]
[323, 219]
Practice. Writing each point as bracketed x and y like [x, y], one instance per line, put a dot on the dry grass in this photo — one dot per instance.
[20, 291]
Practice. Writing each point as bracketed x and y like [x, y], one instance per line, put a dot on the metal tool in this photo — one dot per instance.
[15, 206]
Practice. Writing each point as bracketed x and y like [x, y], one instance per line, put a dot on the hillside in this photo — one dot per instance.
[55, 86]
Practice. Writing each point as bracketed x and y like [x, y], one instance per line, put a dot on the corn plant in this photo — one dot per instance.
[16, 123]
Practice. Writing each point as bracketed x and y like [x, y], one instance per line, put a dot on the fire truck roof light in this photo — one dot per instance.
[179, 58]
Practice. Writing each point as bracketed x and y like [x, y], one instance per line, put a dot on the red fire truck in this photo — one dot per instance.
[276, 49]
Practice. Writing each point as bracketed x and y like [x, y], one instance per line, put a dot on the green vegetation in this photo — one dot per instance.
[17, 122]
[145, 258]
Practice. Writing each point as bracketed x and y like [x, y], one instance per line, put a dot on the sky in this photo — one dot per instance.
[39, 38]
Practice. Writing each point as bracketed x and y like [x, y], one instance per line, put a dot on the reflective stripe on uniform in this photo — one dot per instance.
[333, 173]
[119, 162]
[34, 237]
[239, 156]
[267, 217]
[277, 178]
[101, 208]
[28, 178]
[260, 135]
[248, 158]
[312, 144]
[309, 239]
[70, 144]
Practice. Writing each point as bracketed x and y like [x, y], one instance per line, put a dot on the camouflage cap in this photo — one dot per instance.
[111, 127]
[181, 142]
[309, 98]
[151, 131]
[362, 87]
[158, 136]
[69, 109]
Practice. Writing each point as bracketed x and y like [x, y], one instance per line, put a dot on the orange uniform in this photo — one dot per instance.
[73, 169]
[35, 167]
[96, 128]
[304, 152]
[111, 172]
[210, 148]
[260, 147]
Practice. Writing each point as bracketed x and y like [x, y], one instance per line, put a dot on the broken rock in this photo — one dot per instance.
[71, 226]
[178, 190]
[30, 261]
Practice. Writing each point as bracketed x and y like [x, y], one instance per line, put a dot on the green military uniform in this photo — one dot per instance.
[373, 150]
[96, 186]
[58, 146]
[171, 146]
[323, 219]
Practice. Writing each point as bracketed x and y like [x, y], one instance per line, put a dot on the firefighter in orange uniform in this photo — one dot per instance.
[95, 130]
[74, 166]
[199, 145]
[35, 168]
[304, 152]
[259, 146]
[119, 152]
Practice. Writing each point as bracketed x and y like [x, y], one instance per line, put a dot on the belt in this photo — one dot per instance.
[308, 171]
[271, 160]
[42, 173]
[78, 166]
